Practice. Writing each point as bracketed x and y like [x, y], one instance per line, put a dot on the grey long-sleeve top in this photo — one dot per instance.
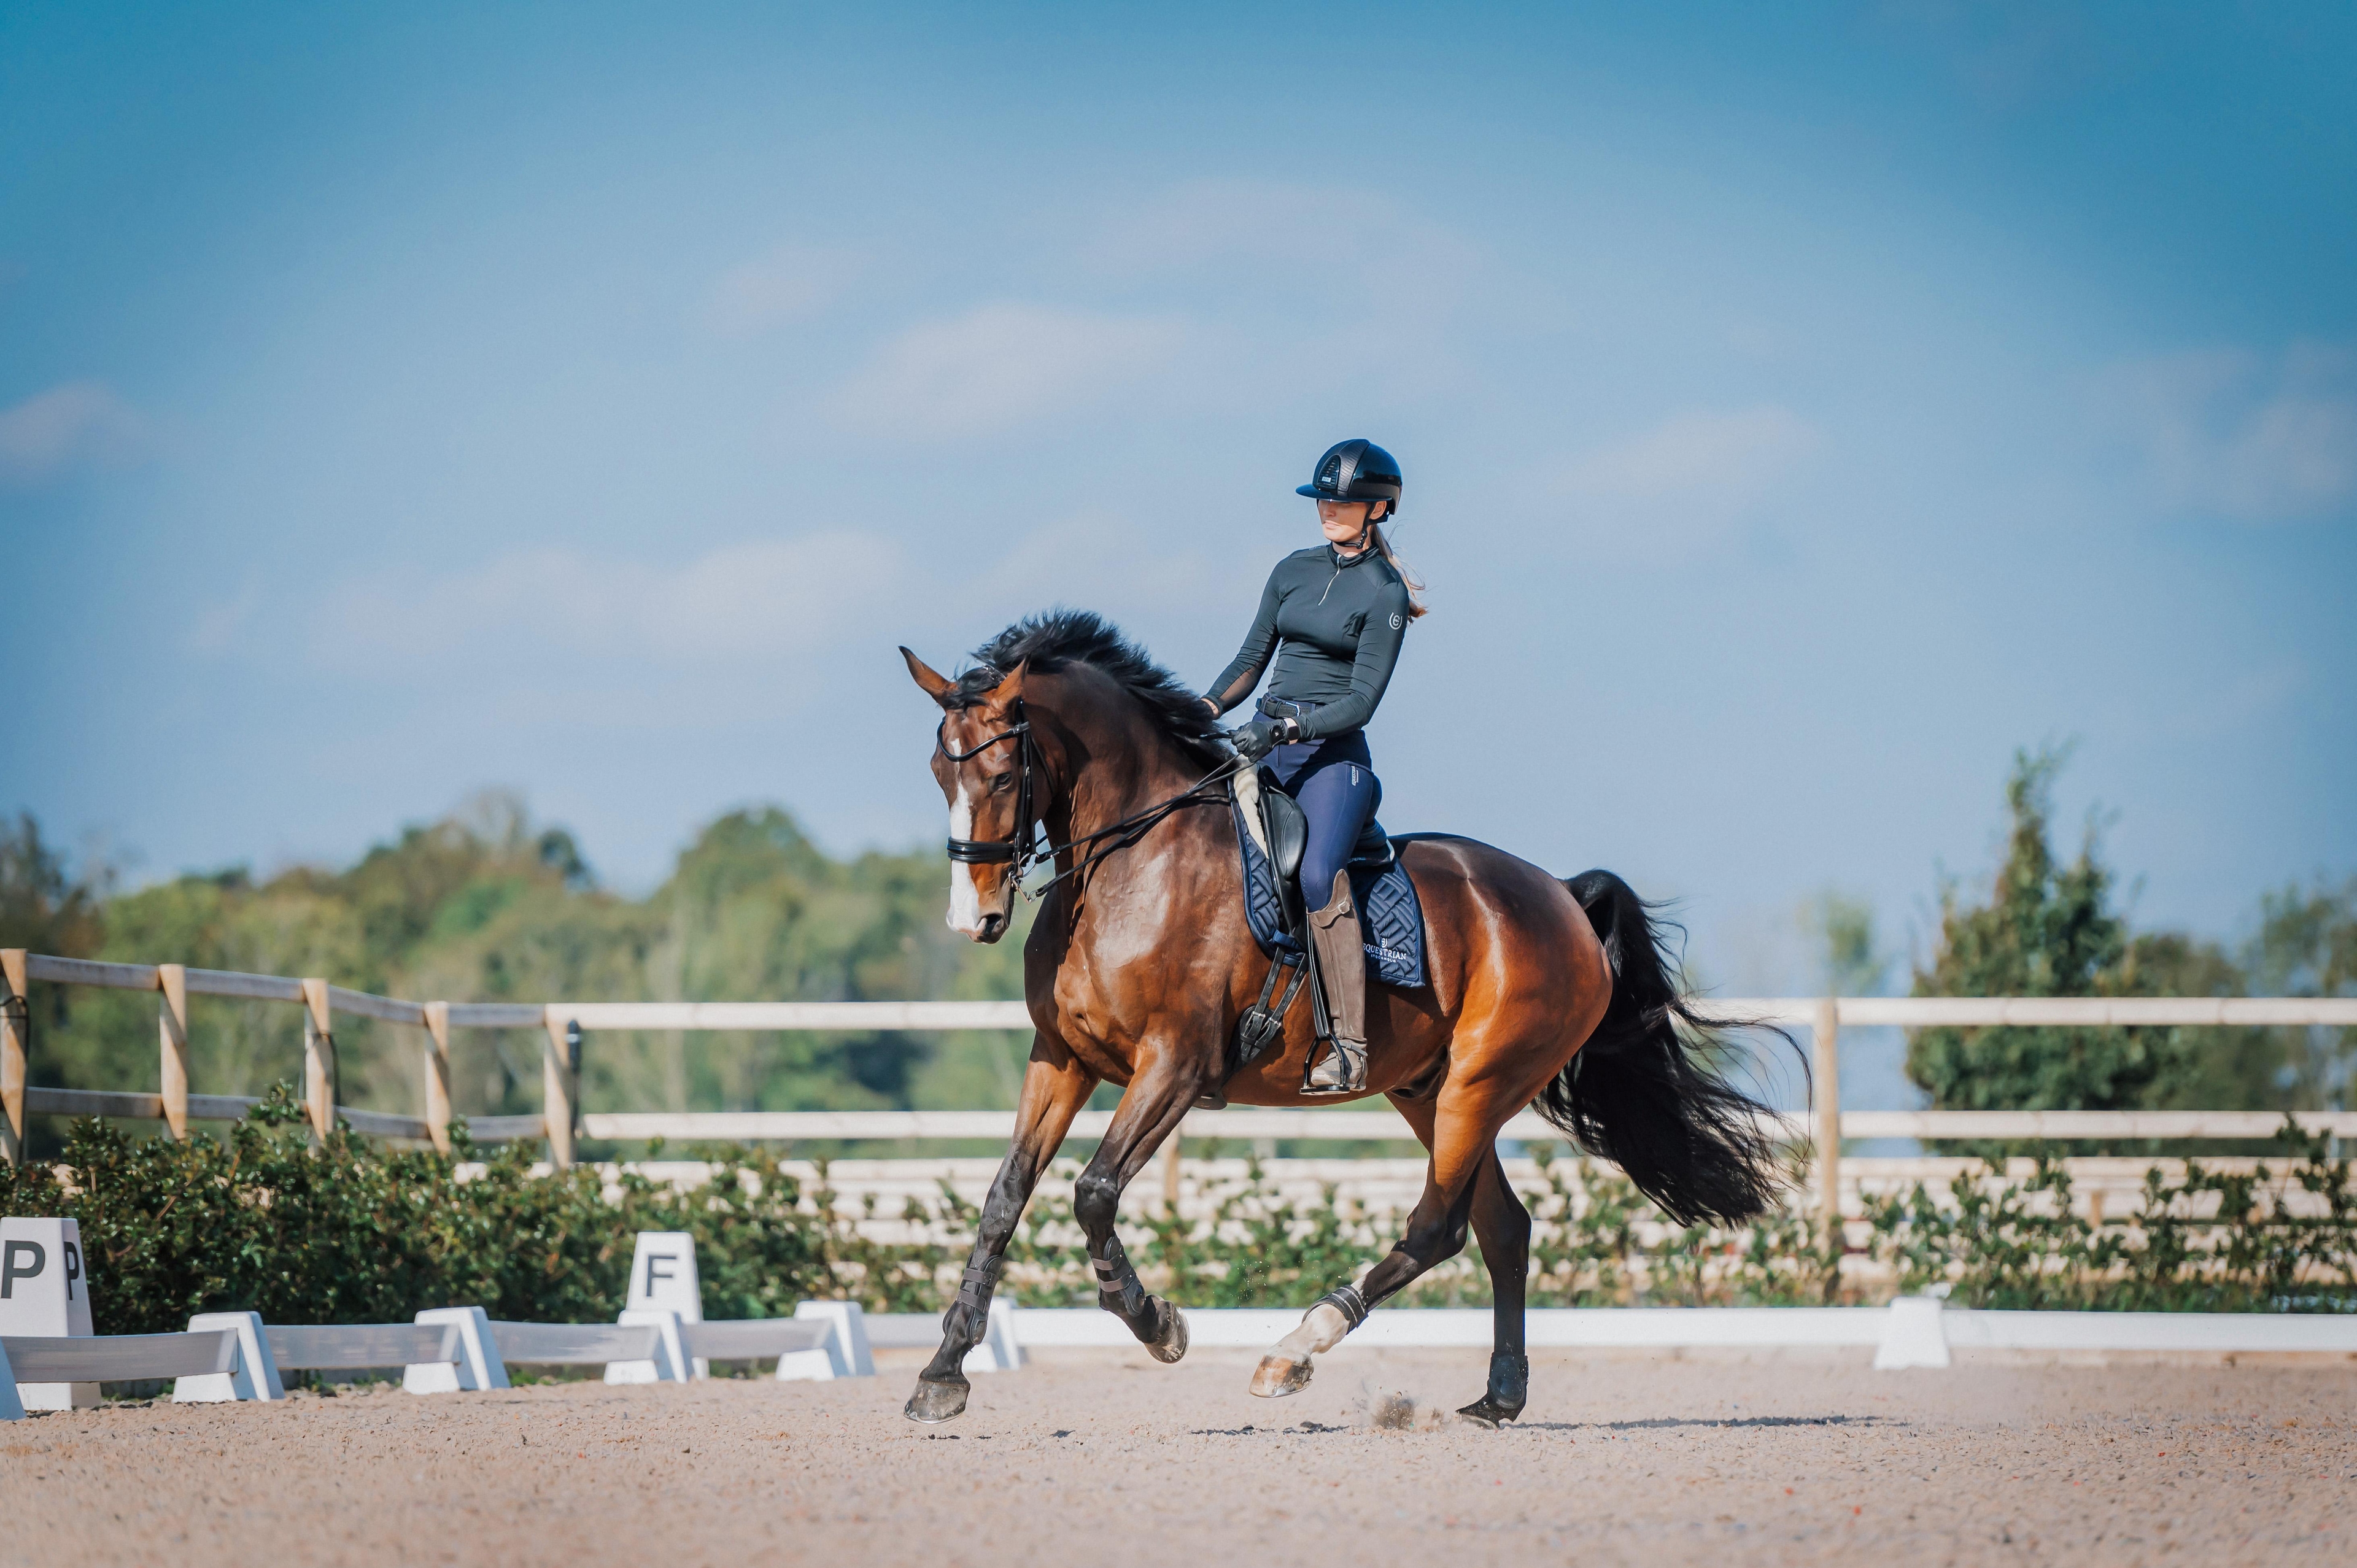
[1336, 625]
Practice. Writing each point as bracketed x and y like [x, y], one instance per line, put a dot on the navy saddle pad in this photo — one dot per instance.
[1390, 921]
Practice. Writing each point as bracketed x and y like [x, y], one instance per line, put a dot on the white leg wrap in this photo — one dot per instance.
[1322, 1328]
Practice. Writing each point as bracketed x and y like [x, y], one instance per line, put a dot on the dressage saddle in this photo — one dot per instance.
[1287, 828]
[1285, 834]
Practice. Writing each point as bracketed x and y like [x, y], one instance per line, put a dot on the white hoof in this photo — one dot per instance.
[1285, 1370]
[1277, 1376]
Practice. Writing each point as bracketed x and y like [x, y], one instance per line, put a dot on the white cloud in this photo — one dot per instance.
[1686, 483]
[1352, 253]
[2243, 435]
[1105, 562]
[1001, 366]
[763, 600]
[75, 424]
[787, 284]
[1720, 460]
[562, 629]
[1212, 222]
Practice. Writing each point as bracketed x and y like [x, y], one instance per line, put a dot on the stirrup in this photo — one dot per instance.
[1344, 1064]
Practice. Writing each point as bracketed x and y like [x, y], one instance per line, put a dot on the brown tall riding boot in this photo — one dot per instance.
[1342, 967]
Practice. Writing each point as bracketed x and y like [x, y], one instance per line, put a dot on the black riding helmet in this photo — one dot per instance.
[1355, 471]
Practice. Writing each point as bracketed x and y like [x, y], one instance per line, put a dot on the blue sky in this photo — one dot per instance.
[1803, 407]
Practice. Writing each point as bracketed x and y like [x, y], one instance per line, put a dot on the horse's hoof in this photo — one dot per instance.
[1171, 1342]
[1510, 1389]
[935, 1403]
[1277, 1376]
[1487, 1411]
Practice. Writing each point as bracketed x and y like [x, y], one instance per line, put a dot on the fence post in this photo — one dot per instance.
[437, 1075]
[557, 1090]
[319, 1086]
[1170, 1176]
[1827, 1070]
[172, 1031]
[15, 1026]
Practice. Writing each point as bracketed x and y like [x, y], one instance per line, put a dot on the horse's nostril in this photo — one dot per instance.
[993, 926]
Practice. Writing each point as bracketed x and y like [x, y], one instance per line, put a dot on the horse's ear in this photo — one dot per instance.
[937, 685]
[1011, 688]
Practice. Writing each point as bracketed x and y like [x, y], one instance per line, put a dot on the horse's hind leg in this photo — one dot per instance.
[1436, 1232]
[1502, 1225]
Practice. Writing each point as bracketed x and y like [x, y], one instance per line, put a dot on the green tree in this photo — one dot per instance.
[2307, 946]
[1850, 958]
[486, 906]
[43, 908]
[2048, 929]
[2211, 1069]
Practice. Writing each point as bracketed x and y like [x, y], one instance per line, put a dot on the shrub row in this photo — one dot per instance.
[2199, 1241]
[353, 1232]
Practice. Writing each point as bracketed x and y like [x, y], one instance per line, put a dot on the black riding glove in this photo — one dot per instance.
[1258, 738]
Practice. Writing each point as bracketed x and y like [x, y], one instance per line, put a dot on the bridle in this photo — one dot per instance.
[1020, 848]
[1017, 847]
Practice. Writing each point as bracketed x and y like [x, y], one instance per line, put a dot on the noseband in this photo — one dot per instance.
[1022, 848]
[1019, 847]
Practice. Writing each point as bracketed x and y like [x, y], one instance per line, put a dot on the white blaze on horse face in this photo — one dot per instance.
[965, 899]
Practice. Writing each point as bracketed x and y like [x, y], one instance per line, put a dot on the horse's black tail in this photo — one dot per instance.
[1640, 1092]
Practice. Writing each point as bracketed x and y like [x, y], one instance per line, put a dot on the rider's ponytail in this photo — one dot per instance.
[1417, 609]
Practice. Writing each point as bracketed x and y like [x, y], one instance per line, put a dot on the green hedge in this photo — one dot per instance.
[2201, 1242]
[350, 1232]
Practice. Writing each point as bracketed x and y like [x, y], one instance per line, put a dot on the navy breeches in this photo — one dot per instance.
[1335, 782]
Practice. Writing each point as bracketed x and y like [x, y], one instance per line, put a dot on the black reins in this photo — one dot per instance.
[1021, 848]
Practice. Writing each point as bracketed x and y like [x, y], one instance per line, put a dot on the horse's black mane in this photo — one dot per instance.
[1056, 637]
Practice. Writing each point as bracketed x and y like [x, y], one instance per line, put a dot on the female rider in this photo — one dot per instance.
[1334, 615]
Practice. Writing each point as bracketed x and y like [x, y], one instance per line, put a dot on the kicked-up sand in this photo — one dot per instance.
[1108, 1460]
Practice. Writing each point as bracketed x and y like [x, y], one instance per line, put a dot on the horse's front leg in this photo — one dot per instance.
[1156, 1102]
[1055, 1087]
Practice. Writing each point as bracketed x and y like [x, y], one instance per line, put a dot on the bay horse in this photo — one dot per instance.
[1141, 962]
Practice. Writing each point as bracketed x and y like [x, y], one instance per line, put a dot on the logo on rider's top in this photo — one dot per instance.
[1396, 621]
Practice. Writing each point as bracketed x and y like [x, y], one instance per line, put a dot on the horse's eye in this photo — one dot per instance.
[1001, 783]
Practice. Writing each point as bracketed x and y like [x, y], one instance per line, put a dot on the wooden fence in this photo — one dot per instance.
[563, 1025]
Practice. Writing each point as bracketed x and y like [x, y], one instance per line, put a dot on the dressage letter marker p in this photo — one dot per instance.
[24, 1259]
[44, 1294]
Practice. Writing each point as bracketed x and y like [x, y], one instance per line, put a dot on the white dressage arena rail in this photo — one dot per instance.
[1388, 1126]
[233, 1356]
[230, 1359]
[1914, 1331]
[117, 1358]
